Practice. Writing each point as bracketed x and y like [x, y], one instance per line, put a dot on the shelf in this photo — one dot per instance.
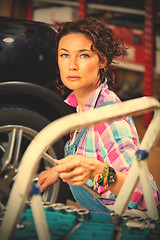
[115, 9]
[129, 66]
[36, 3]
[133, 67]
[104, 7]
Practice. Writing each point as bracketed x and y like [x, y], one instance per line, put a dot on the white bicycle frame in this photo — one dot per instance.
[57, 129]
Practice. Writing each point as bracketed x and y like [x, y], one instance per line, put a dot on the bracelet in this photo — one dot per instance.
[102, 179]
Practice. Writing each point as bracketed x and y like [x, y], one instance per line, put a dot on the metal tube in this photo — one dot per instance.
[44, 139]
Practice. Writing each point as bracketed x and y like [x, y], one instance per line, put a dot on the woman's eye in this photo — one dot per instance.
[84, 55]
[65, 55]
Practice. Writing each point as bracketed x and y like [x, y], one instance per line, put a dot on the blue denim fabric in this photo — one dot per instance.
[87, 200]
[81, 195]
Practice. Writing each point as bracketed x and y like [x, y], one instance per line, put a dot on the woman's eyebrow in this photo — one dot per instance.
[83, 50]
[63, 49]
[80, 50]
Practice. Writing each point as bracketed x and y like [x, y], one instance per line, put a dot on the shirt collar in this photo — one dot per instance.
[91, 103]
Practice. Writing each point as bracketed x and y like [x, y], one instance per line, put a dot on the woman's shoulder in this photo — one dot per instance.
[107, 97]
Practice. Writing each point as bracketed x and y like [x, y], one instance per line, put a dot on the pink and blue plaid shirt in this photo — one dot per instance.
[113, 142]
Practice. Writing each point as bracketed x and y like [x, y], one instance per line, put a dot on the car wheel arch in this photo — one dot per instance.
[35, 97]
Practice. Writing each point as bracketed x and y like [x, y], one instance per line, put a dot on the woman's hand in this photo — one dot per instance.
[77, 169]
[74, 170]
[47, 178]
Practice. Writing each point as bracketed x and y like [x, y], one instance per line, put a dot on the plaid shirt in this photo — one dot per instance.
[113, 142]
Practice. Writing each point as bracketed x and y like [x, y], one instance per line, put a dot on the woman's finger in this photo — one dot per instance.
[44, 186]
[73, 161]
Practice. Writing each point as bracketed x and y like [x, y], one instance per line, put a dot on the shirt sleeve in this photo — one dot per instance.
[116, 146]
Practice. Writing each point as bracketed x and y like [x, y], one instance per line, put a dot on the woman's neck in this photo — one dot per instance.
[82, 98]
[81, 103]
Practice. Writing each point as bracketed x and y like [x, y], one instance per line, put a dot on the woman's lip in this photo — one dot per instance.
[73, 77]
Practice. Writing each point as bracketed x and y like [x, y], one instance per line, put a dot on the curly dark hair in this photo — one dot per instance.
[104, 42]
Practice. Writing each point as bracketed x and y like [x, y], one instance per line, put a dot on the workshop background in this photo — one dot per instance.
[136, 22]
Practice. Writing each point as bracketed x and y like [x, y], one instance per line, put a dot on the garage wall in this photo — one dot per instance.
[14, 8]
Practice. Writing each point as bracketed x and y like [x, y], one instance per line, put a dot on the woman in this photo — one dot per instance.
[100, 155]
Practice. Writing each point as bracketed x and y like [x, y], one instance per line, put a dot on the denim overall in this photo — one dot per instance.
[81, 195]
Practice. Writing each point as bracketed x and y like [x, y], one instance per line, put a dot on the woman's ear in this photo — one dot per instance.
[103, 63]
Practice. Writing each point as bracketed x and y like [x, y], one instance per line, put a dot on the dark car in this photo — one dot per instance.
[28, 100]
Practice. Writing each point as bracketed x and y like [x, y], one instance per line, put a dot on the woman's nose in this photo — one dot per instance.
[73, 65]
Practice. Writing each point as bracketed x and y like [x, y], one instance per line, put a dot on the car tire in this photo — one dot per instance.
[18, 126]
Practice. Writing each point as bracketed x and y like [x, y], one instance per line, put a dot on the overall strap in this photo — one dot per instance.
[106, 103]
[71, 149]
[84, 130]
[129, 118]
[79, 137]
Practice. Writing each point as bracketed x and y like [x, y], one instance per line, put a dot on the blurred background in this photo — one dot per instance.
[137, 23]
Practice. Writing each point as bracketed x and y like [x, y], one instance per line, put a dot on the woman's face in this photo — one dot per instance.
[78, 64]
